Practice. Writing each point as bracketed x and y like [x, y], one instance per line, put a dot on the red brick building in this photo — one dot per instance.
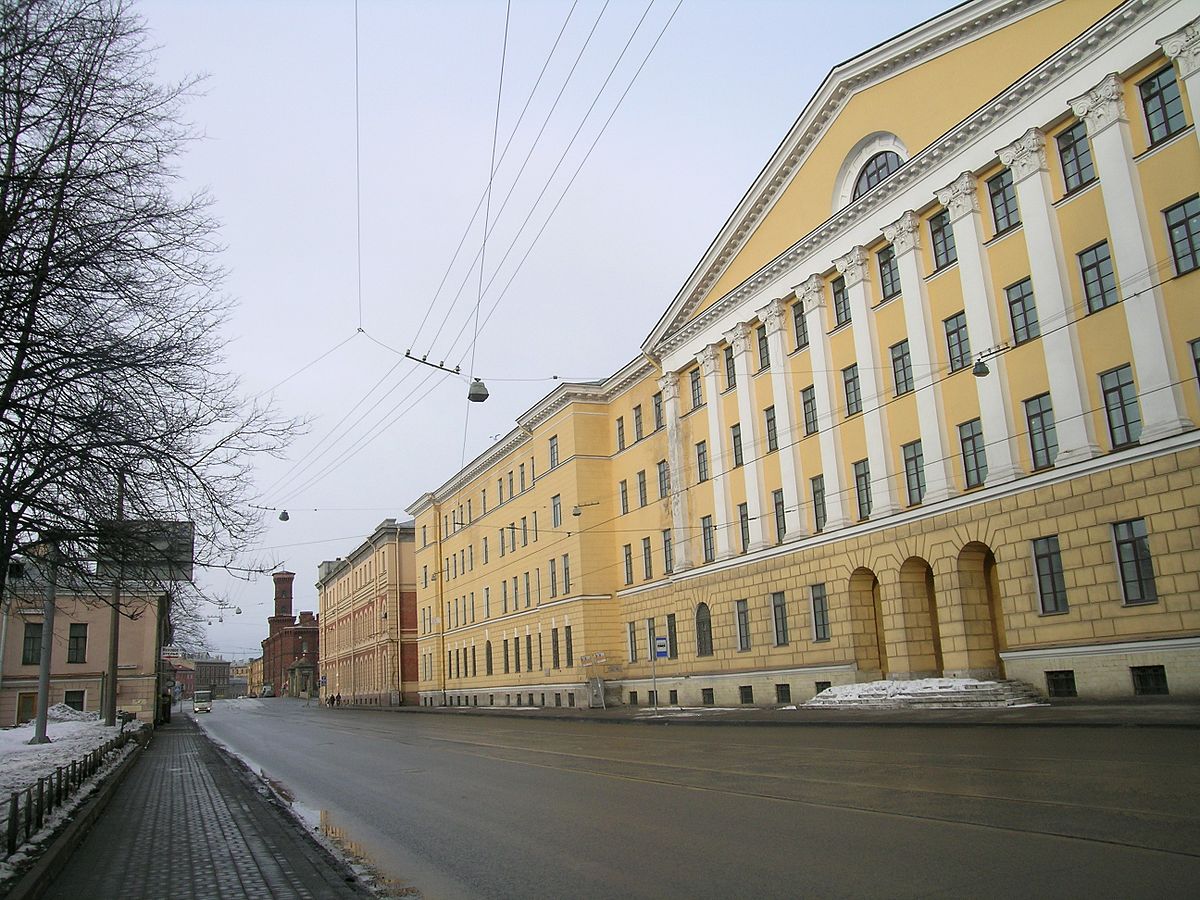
[291, 650]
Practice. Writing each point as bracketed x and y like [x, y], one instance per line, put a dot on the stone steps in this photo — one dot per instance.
[970, 695]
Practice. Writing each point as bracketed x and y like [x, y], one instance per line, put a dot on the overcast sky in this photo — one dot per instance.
[713, 100]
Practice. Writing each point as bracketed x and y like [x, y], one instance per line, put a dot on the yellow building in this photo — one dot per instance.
[368, 620]
[254, 677]
[926, 405]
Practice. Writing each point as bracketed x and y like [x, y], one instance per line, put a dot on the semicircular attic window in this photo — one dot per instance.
[878, 167]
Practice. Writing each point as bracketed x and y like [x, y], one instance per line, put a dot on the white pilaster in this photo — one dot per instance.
[739, 339]
[1073, 424]
[855, 269]
[709, 359]
[1183, 47]
[773, 317]
[812, 295]
[961, 198]
[939, 474]
[1160, 397]
[676, 461]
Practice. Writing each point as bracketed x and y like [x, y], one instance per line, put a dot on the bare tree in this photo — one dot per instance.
[111, 311]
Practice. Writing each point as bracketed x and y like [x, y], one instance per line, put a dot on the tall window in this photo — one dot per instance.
[1052, 589]
[941, 234]
[1121, 406]
[764, 347]
[704, 642]
[1004, 201]
[553, 451]
[672, 637]
[1183, 228]
[744, 525]
[647, 559]
[780, 516]
[958, 345]
[1133, 561]
[820, 612]
[566, 567]
[569, 647]
[902, 368]
[808, 402]
[633, 650]
[522, 486]
[862, 487]
[889, 272]
[31, 647]
[620, 432]
[743, 624]
[1022, 311]
[555, 661]
[556, 510]
[736, 435]
[487, 658]
[1043, 440]
[668, 552]
[841, 301]
[772, 434]
[853, 393]
[817, 483]
[697, 391]
[974, 454]
[779, 618]
[702, 461]
[1162, 104]
[800, 324]
[877, 168]
[628, 550]
[664, 479]
[730, 371]
[706, 534]
[553, 578]
[1076, 157]
[641, 481]
[657, 403]
[914, 472]
[637, 423]
[1099, 283]
[623, 489]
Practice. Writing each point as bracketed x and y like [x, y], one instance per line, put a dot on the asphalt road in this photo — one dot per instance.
[449, 805]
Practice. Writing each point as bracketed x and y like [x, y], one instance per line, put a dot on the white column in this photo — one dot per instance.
[709, 359]
[1183, 47]
[961, 198]
[773, 317]
[677, 462]
[1073, 424]
[1162, 406]
[812, 295]
[739, 338]
[939, 474]
[855, 268]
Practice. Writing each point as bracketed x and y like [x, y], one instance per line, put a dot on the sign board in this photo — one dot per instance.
[172, 653]
[146, 550]
[323, 681]
[660, 648]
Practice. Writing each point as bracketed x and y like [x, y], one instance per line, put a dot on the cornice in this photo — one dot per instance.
[953, 28]
[1085, 47]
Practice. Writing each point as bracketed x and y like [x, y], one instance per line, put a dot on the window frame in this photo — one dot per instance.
[704, 635]
[1099, 292]
[1152, 88]
[958, 341]
[742, 618]
[1124, 392]
[974, 453]
[779, 618]
[808, 405]
[771, 429]
[1002, 194]
[852, 390]
[1190, 222]
[701, 461]
[819, 600]
[1048, 574]
[1022, 311]
[889, 273]
[913, 455]
[941, 238]
[1043, 435]
[1136, 539]
[862, 488]
[1078, 168]
[841, 302]
[902, 375]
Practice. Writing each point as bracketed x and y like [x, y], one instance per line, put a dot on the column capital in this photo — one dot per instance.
[853, 266]
[811, 293]
[773, 315]
[902, 234]
[961, 196]
[669, 385]
[738, 337]
[1026, 155]
[708, 358]
[1102, 105]
[1184, 48]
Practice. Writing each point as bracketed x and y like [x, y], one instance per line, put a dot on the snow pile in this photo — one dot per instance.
[23, 763]
[60, 712]
[897, 693]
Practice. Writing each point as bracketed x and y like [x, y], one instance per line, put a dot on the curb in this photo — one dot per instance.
[50, 862]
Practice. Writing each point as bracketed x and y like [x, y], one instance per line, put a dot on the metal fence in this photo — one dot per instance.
[28, 809]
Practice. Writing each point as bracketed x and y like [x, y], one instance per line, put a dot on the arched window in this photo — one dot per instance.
[487, 657]
[703, 631]
[878, 167]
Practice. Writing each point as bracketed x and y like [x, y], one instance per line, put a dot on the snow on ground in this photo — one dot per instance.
[894, 691]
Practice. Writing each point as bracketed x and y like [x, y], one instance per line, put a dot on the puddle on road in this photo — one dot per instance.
[360, 857]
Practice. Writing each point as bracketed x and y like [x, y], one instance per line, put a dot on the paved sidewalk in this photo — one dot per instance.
[187, 824]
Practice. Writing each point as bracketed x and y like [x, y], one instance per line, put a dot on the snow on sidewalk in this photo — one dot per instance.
[72, 734]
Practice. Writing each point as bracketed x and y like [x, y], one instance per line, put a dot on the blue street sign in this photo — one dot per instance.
[660, 648]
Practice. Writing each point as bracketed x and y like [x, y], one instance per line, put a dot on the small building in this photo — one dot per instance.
[213, 675]
[184, 674]
[254, 677]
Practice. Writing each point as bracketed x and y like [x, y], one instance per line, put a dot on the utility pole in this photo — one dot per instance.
[43, 698]
[110, 699]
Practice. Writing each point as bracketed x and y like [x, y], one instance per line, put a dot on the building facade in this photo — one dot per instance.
[291, 649]
[926, 406]
[254, 683]
[212, 674]
[369, 620]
